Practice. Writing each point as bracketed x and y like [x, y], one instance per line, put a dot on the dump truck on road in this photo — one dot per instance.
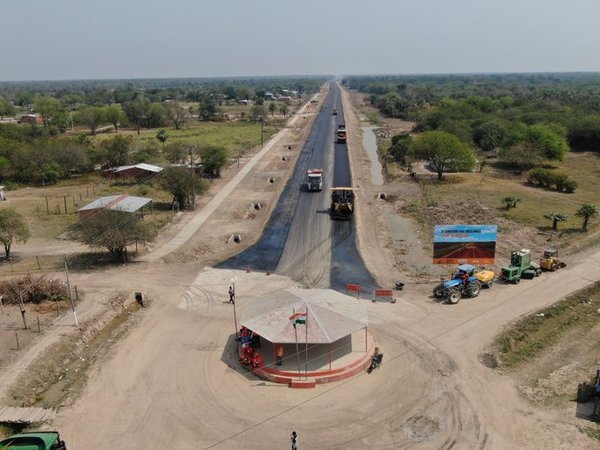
[341, 134]
[314, 180]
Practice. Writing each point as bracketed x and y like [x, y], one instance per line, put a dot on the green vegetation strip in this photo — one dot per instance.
[531, 335]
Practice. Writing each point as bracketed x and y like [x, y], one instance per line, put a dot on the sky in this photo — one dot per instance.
[85, 39]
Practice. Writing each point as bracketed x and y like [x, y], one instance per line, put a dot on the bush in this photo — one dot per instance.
[550, 179]
[540, 176]
[570, 186]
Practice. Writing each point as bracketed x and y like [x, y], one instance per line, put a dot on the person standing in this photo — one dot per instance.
[279, 355]
[231, 295]
[294, 440]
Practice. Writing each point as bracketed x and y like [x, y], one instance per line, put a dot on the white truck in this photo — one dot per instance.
[314, 180]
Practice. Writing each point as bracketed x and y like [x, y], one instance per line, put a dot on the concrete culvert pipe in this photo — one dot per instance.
[271, 180]
[237, 238]
[283, 158]
[258, 206]
[382, 196]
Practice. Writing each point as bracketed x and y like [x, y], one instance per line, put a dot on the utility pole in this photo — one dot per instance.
[192, 182]
[22, 305]
[262, 131]
[234, 311]
[70, 296]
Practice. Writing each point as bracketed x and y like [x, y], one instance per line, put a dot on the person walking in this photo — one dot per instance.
[231, 295]
[294, 440]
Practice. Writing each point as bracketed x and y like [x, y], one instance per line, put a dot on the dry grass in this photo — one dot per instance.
[491, 186]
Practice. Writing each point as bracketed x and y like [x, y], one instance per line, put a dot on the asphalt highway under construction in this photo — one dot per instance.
[300, 239]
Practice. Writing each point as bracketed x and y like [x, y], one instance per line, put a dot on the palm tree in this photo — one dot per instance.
[511, 202]
[587, 211]
[555, 217]
[272, 108]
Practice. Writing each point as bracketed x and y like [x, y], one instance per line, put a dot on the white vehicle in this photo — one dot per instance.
[314, 180]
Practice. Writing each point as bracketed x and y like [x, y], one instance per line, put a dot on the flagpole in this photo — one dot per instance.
[306, 326]
[297, 350]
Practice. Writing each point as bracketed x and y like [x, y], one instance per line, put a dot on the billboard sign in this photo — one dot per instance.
[459, 244]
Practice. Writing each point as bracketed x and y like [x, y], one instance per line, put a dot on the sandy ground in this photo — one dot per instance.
[174, 381]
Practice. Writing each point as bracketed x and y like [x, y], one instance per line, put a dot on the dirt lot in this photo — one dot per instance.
[172, 380]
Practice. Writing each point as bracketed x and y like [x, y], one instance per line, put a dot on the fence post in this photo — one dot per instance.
[17, 338]
[37, 258]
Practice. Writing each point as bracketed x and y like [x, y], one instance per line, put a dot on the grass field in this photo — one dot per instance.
[235, 136]
[491, 186]
[531, 335]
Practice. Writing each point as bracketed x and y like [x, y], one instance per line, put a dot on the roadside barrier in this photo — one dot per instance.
[353, 288]
[383, 294]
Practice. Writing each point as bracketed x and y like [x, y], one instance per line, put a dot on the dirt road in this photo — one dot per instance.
[174, 381]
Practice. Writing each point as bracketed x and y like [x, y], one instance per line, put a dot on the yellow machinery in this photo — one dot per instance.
[551, 261]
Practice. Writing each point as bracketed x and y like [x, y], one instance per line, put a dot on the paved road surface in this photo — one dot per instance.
[300, 240]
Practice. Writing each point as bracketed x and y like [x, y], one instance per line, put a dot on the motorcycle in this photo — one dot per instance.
[375, 362]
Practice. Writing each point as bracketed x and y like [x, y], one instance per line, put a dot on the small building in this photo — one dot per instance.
[125, 203]
[135, 172]
[30, 119]
[284, 98]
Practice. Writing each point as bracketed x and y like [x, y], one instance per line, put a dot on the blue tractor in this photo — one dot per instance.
[463, 283]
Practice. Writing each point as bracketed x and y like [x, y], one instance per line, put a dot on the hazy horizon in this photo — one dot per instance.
[135, 39]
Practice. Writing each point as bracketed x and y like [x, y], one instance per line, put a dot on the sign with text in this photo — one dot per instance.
[459, 244]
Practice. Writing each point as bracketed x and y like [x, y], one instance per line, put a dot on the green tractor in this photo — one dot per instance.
[40, 440]
[521, 266]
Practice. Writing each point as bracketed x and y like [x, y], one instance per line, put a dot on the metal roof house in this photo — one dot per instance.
[136, 171]
[124, 203]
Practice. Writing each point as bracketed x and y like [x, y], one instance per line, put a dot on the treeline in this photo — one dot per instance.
[484, 110]
[105, 92]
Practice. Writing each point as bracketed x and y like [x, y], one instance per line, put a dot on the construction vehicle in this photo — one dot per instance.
[314, 180]
[334, 112]
[342, 203]
[521, 266]
[341, 134]
[41, 440]
[464, 283]
[550, 261]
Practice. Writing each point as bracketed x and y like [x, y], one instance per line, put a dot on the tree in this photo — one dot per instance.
[444, 152]
[586, 211]
[6, 108]
[400, 147]
[489, 135]
[284, 108]
[137, 111]
[12, 228]
[181, 183]
[162, 136]
[176, 114]
[525, 147]
[175, 152]
[113, 230]
[48, 108]
[207, 110]
[213, 159]
[92, 117]
[272, 108]
[520, 156]
[257, 112]
[116, 151]
[555, 218]
[115, 115]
